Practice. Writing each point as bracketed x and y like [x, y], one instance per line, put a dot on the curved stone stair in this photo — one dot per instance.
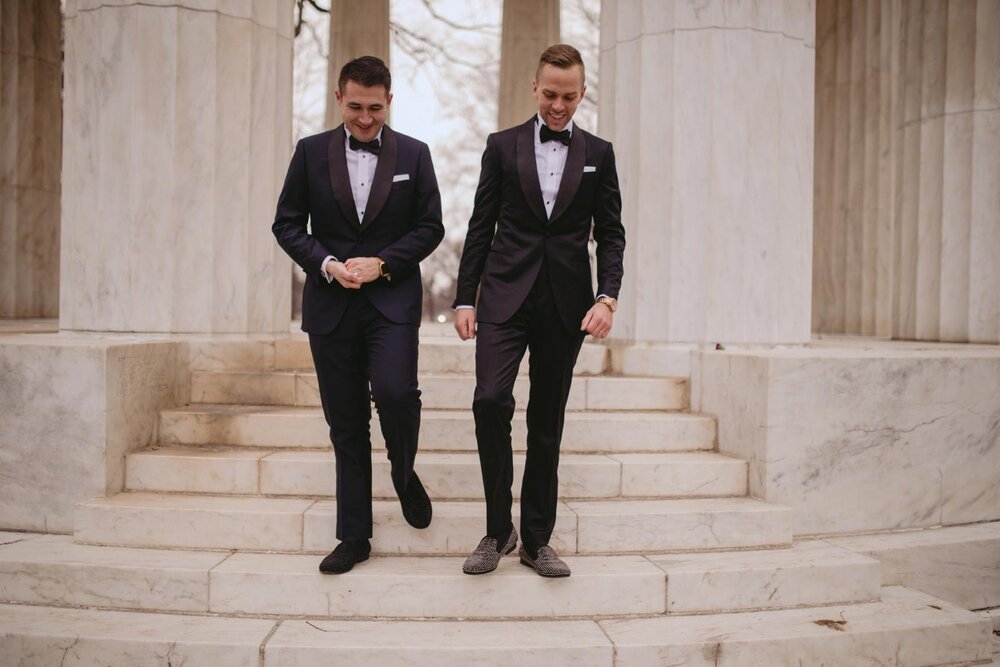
[209, 554]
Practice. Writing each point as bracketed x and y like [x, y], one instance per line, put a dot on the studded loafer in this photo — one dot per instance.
[545, 563]
[487, 557]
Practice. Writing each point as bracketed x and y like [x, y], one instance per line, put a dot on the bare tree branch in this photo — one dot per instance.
[317, 40]
[421, 47]
[592, 18]
[299, 5]
[489, 28]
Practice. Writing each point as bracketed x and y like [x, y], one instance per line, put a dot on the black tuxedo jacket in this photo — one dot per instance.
[509, 234]
[402, 224]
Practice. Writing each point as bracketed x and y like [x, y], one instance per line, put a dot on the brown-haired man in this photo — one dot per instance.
[373, 200]
[543, 186]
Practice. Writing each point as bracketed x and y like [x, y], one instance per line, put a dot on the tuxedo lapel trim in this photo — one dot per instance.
[527, 169]
[382, 181]
[340, 179]
[572, 174]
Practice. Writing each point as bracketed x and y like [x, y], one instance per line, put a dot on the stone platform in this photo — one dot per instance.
[199, 544]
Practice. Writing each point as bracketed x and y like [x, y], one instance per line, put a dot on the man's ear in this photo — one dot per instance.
[336, 94]
[388, 100]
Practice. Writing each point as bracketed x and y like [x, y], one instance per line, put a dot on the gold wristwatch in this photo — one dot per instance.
[612, 304]
[381, 269]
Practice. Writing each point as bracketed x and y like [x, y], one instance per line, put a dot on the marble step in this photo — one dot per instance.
[32, 636]
[299, 524]
[903, 629]
[436, 587]
[439, 391]
[960, 564]
[43, 636]
[52, 569]
[808, 573]
[437, 354]
[448, 475]
[440, 430]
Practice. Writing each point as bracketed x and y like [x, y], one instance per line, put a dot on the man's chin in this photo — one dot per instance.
[557, 124]
[364, 135]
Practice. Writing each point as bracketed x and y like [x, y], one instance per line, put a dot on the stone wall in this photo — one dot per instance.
[861, 437]
[73, 406]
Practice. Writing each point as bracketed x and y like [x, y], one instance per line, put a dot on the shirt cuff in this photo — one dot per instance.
[465, 307]
[602, 296]
[322, 268]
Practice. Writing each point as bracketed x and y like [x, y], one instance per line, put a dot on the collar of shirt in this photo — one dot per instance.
[538, 128]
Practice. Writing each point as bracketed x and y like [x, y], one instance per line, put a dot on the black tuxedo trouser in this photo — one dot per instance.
[364, 349]
[552, 353]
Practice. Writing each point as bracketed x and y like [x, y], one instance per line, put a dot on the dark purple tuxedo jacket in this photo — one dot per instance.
[402, 224]
[509, 234]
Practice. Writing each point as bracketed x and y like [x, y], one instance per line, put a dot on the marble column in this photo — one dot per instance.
[529, 27]
[908, 247]
[710, 107]
[357, 28]
[30, 155]
[856, 69]
[178, 135]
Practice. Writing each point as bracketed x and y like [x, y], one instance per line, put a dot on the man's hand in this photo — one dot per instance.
[363, 269]
[339, 272]
[598, 320]
[465, 323]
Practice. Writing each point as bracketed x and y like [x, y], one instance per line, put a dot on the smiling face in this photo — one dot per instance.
[364, 109]
[559, 92]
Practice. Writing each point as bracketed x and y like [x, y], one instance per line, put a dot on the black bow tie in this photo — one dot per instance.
[548, 134]
[372, 146]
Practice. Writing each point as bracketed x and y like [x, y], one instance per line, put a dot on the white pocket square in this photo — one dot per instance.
[400, 177]
[587, 170]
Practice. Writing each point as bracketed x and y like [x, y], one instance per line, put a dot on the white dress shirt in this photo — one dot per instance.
[550, 160]
[361, 170]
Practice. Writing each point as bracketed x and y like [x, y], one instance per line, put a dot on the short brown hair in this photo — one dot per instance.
[367, 71]
[562, 56]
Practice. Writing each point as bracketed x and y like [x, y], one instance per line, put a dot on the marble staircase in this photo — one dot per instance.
[209, 554]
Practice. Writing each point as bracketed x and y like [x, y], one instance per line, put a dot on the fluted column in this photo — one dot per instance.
[178, 136]
[357, 28]
[855, 97]
[929, 155]
[710, 107]
[529, 27]
[30, 155]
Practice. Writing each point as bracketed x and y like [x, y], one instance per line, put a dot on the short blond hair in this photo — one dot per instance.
[562, 56]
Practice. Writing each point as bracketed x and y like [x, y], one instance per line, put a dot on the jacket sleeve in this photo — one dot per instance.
[482, 226]
[608, 230]
[404, 255]
[292, 215]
